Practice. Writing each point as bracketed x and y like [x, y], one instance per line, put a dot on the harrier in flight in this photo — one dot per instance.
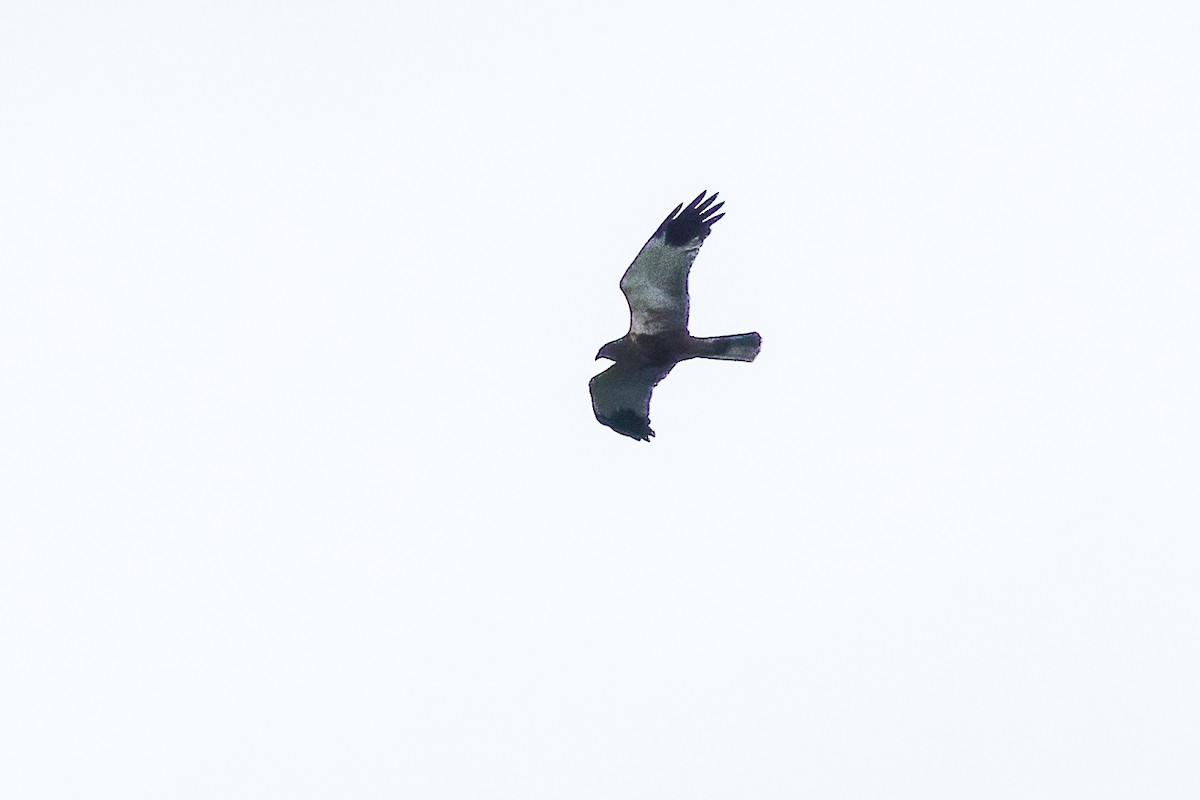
[656, 286]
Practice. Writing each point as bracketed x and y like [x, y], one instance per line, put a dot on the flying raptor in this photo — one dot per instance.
[656, 287]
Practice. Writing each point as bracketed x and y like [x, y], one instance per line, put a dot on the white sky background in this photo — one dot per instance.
[302, 492]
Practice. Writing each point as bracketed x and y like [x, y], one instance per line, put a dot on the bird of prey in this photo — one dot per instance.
[656, 287]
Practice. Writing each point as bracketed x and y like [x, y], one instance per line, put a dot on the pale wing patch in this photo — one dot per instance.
[656, 286]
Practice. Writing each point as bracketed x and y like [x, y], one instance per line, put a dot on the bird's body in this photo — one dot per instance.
[656, 287]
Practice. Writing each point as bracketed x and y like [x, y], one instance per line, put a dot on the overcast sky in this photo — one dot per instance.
[300, 488]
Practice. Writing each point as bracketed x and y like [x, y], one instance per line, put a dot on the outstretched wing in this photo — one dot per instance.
[621, 397]
[656, 283]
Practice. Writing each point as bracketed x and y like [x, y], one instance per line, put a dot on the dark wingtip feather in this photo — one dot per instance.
[628, 422]
[694, 221]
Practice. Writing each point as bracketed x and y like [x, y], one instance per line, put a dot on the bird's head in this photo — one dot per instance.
[609, 351]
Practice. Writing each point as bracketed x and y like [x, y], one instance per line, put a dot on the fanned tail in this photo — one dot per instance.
[738, 347]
